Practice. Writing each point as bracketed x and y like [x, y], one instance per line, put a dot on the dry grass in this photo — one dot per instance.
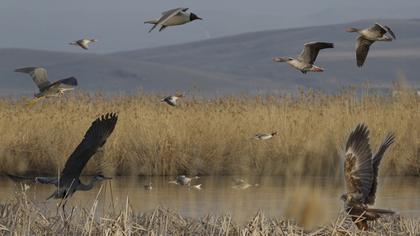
[23, 217]
[210, 136]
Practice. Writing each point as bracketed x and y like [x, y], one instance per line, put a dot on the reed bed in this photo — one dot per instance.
[210, 136]
[21, 216]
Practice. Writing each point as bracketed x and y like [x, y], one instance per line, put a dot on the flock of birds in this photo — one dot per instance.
[360, 166]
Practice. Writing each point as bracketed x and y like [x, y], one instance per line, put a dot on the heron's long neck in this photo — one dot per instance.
[87, 187]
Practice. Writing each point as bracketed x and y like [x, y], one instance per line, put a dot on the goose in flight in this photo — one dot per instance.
[361, 174]
[261, 136]
[83, 43]
[177, 16]
[68, 182]
[46, 88]
[305, 61]
[171, 100]
[367, 38]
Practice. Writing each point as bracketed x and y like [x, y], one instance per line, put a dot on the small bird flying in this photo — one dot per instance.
[172, 100]
[361, 174]
[46, 88]
[83, 43]
[367, 37]
[305, 61]
[177, 16]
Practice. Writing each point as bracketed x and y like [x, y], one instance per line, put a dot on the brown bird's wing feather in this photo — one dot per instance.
[358, 163]
[375, 165]
[95, 138]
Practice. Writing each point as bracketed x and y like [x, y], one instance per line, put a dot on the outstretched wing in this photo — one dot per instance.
[390, 138]
[379, 28]
[39, 76]
[382, 29]
[172, 10]
[310, 51]
[390, 31]
[95, 138]
[82, 44]
[362, 50]
[68, 82]
[358, 162]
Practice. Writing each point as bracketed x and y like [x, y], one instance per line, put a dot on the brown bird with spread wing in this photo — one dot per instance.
[361, 173]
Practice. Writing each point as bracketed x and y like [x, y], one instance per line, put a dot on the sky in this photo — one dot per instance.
[118, 25]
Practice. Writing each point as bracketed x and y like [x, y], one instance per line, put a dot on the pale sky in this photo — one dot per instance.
[118, 24]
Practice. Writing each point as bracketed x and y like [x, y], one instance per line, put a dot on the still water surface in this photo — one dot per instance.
[217, 196]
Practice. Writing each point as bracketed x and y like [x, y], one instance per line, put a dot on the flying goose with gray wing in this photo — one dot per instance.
[367, 37]
[305, 61]
[177, 16]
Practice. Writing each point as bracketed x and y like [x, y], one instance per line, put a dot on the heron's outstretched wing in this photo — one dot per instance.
[358, 169]
[362, 50]
[68, 82]
[390, 138]
[95, 138]
[39, 76]
[310, 51]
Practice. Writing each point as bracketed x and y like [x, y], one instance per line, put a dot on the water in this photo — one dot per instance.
[273, 195]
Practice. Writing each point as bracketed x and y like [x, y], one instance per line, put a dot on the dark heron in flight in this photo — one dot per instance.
[46, 88]
[68, 182]
[361, 174]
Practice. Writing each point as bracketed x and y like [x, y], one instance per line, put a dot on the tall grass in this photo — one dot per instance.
[21, 216]
[203, 136]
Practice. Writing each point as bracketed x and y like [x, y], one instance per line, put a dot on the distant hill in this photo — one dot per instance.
[230, 64]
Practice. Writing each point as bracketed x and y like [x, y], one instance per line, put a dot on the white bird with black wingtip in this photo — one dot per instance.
[177, 16]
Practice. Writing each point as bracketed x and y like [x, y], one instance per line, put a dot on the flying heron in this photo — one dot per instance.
[68, 182]
[361, 174]
[368, 37]
[46, 88]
